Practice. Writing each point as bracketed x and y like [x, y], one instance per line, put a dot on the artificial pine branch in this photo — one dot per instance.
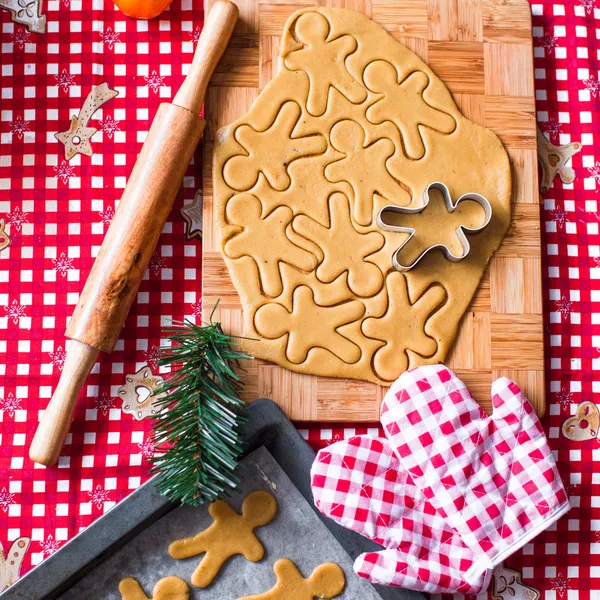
[198, 432]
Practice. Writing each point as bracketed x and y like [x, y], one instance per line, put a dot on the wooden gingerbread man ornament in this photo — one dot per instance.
[326, 581]
[230, 534]
[168, 588]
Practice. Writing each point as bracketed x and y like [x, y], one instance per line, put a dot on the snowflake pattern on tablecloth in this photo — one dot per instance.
[157, 263]
[565, 307]
[197, 308]
[14, 311]
[559, 216]
[553, 128]
[154, 81]
[64, 171]
[107, 215]
[108, 126]
[20, 37]
[546, 41]
[103, 403]
[18, 127]
[58, 357]
[98, 496]
[63, 264]
[64, 80]
[564, 398]
[561, 585]
[10, 404]
[195, 34]
[588, 5]
[49, 545]
[151, 356]
[595, 172]
[147, 448]
[6, 499]
[16, 218]
[110, 38]
[593, 85]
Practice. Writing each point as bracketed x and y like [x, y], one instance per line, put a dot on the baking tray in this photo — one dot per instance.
[266, 426]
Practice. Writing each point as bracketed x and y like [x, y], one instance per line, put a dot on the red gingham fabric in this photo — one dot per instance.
[56, 218]
[56, 215]
[361, 485]
[491, 480]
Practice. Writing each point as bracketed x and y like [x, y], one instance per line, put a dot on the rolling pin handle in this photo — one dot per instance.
[56, 421]
[213, 40]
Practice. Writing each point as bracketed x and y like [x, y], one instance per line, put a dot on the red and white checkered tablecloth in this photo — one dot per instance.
[57, 211]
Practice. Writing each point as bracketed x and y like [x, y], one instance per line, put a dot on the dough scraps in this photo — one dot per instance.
[353, 122]
[230, 534]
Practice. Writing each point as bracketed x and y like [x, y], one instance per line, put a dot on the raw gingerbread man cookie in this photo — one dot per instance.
[381, 77]
[344, 248]
[326, 581]
[230, 534]
[391, 359]
[274, 321]
[244, 210]
[364, 169]
[168, 588]
[271, 151]
[321, 56]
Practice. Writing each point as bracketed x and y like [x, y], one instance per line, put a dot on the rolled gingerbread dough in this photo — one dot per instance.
[354, 121]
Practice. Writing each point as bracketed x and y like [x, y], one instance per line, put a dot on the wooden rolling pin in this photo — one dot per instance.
[131, 238]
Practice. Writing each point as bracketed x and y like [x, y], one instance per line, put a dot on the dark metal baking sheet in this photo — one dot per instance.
[295, 533]
[267, 426]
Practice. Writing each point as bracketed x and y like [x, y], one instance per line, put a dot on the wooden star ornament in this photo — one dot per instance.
[77, 138]
[192, 215]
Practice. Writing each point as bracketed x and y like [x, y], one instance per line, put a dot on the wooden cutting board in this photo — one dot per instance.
[482, 50]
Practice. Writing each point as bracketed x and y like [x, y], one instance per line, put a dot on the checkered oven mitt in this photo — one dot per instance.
[360, 484]
[492, 481]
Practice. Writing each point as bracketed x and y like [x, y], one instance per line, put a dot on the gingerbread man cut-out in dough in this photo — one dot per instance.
[402, 327]
[404, 105]
[364, 168]
[244, 210]
[326, 581]
[271, 151]
[168, 588]
[324, 62]
[310, 325]
[229, 535]
[344, 248]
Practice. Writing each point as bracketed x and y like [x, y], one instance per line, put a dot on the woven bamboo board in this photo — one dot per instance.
[482, 50]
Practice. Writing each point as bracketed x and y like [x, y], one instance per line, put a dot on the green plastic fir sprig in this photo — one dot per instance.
[197, 429]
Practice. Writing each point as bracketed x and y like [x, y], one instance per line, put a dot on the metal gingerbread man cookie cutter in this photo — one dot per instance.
[461, 230]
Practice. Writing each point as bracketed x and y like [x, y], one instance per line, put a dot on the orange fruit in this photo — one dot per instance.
[142, 9]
